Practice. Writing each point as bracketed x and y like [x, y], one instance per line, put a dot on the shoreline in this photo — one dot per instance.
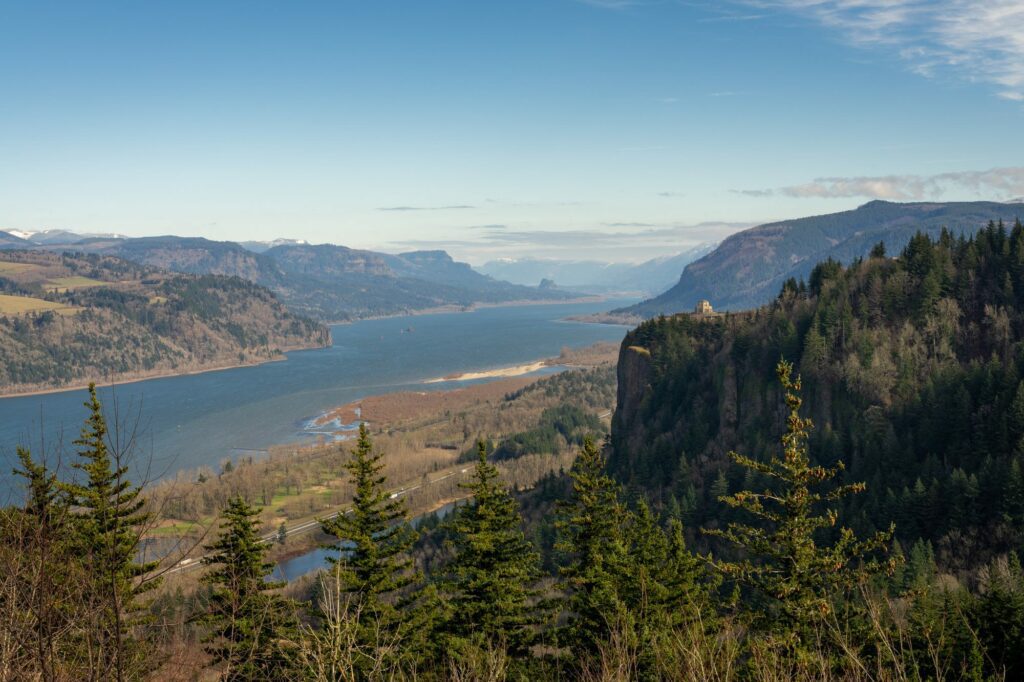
[79, 385]
[384, 407]
[608, 319]
[497, 373]
[439, 310]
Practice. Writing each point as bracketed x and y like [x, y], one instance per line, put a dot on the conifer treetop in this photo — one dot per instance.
[784, 559]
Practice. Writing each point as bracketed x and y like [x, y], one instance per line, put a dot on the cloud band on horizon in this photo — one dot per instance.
[999, 184]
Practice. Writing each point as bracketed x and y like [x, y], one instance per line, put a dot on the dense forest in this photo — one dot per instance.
[913, 369]
[827, 488]
[77, 317]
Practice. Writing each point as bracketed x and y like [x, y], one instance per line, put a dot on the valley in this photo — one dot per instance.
[327, 282]
[551, 341]
[199, 420]
[423, 437]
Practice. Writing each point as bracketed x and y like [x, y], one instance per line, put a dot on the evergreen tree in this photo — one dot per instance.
[998, 615]
[784, 560]
[590, 535]
[664, 588]
[374, 562]
[251, 625]
[489, 579]
[106, 528]
[44, 541]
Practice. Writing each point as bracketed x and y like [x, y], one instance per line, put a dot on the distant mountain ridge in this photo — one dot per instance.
[9, 240]
[324, 281]
[59, 236]
[650, 277]
[748, 268]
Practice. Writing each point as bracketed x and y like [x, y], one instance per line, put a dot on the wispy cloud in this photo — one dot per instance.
[670, 195]
[457, 207]
[730, 16]
[978, 40]
[612, 4]
[614, 240]
[997, 184]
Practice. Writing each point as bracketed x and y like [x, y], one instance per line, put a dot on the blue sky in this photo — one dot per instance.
[610, 129]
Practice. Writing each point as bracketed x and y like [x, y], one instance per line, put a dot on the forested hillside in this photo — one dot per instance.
[913, 371]
[747, 268]
[67, 319]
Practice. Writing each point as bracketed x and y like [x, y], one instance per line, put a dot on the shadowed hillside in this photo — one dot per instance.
[747, 269]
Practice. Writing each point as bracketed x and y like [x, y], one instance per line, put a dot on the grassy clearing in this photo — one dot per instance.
[62, 284]
[181, 528]
[15, 268]
[23, 305]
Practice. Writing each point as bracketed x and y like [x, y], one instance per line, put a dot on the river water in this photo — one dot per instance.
[198, 420]
[297, 566]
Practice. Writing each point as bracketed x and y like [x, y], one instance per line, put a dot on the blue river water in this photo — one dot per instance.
[189, 421]
[297, 566]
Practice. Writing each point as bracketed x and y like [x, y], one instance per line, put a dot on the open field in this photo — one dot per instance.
[62, 284]
[393, 408]
[7, 268]
[22, 305]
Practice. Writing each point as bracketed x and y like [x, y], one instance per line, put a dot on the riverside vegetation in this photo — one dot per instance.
[663, 556]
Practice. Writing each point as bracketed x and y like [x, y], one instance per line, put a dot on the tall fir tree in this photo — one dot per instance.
[374, 562]
[783, 559]
[489, 580]
[590, 538]
[107, 527]
[252, 628]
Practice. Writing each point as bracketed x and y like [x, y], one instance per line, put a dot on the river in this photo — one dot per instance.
[299, 565]
[195, 420]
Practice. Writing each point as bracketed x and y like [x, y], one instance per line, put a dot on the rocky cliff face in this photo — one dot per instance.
[634, 382]
[685, 386]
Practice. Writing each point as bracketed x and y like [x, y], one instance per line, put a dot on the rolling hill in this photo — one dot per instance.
[69, 319]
